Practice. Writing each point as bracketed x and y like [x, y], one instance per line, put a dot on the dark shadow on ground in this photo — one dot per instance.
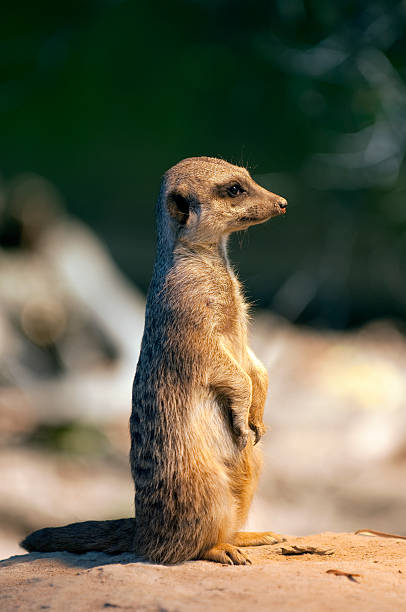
[85, 561]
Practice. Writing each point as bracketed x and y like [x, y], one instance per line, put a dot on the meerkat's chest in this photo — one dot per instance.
[233, 321]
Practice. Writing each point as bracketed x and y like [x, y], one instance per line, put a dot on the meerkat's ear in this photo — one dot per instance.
[179, 207]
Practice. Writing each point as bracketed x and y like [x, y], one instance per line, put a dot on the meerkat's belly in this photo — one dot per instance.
[210, 431]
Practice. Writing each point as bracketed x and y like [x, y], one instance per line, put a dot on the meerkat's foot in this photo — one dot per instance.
[254, 538]
[227, 554]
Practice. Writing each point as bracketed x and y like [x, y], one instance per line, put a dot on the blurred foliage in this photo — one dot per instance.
[102, 96]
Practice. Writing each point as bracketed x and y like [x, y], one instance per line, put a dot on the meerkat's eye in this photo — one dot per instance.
[235, 190]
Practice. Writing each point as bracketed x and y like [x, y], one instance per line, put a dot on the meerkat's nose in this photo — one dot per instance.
[282, 203]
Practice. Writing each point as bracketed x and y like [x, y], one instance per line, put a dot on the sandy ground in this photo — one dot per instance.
[62, 581]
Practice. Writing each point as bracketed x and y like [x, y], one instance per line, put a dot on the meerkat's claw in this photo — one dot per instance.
[258, 430]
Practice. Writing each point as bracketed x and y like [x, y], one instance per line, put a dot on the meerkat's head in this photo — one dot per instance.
[203, 199]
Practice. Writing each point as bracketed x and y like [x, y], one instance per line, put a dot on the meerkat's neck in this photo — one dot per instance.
[215, 251]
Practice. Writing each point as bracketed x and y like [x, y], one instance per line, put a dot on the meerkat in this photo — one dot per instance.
[199, 391]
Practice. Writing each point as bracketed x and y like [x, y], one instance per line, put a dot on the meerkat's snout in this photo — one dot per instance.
[265, 205]
[282, 204]
[277, 205]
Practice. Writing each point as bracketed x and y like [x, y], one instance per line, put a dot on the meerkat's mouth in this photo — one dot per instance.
[248, 219]
[258, 219]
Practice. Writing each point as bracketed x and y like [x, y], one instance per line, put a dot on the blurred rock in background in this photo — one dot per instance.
[65, 309]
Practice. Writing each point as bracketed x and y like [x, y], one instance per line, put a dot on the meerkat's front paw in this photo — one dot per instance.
[259, 429]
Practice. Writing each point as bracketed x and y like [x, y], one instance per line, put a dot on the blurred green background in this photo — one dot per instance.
[101, 97]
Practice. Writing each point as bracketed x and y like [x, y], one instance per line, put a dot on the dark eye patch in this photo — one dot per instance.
[231, 189]
[235, 190]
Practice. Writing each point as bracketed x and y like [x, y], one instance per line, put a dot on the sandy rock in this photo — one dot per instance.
[62, 581]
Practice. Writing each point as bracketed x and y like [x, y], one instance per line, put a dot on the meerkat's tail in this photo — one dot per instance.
[111, 537]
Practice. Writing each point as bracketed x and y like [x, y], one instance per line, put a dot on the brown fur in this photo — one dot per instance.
[199, 391]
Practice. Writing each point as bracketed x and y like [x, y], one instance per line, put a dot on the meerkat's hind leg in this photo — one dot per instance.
[227, 554]
[255, 538]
